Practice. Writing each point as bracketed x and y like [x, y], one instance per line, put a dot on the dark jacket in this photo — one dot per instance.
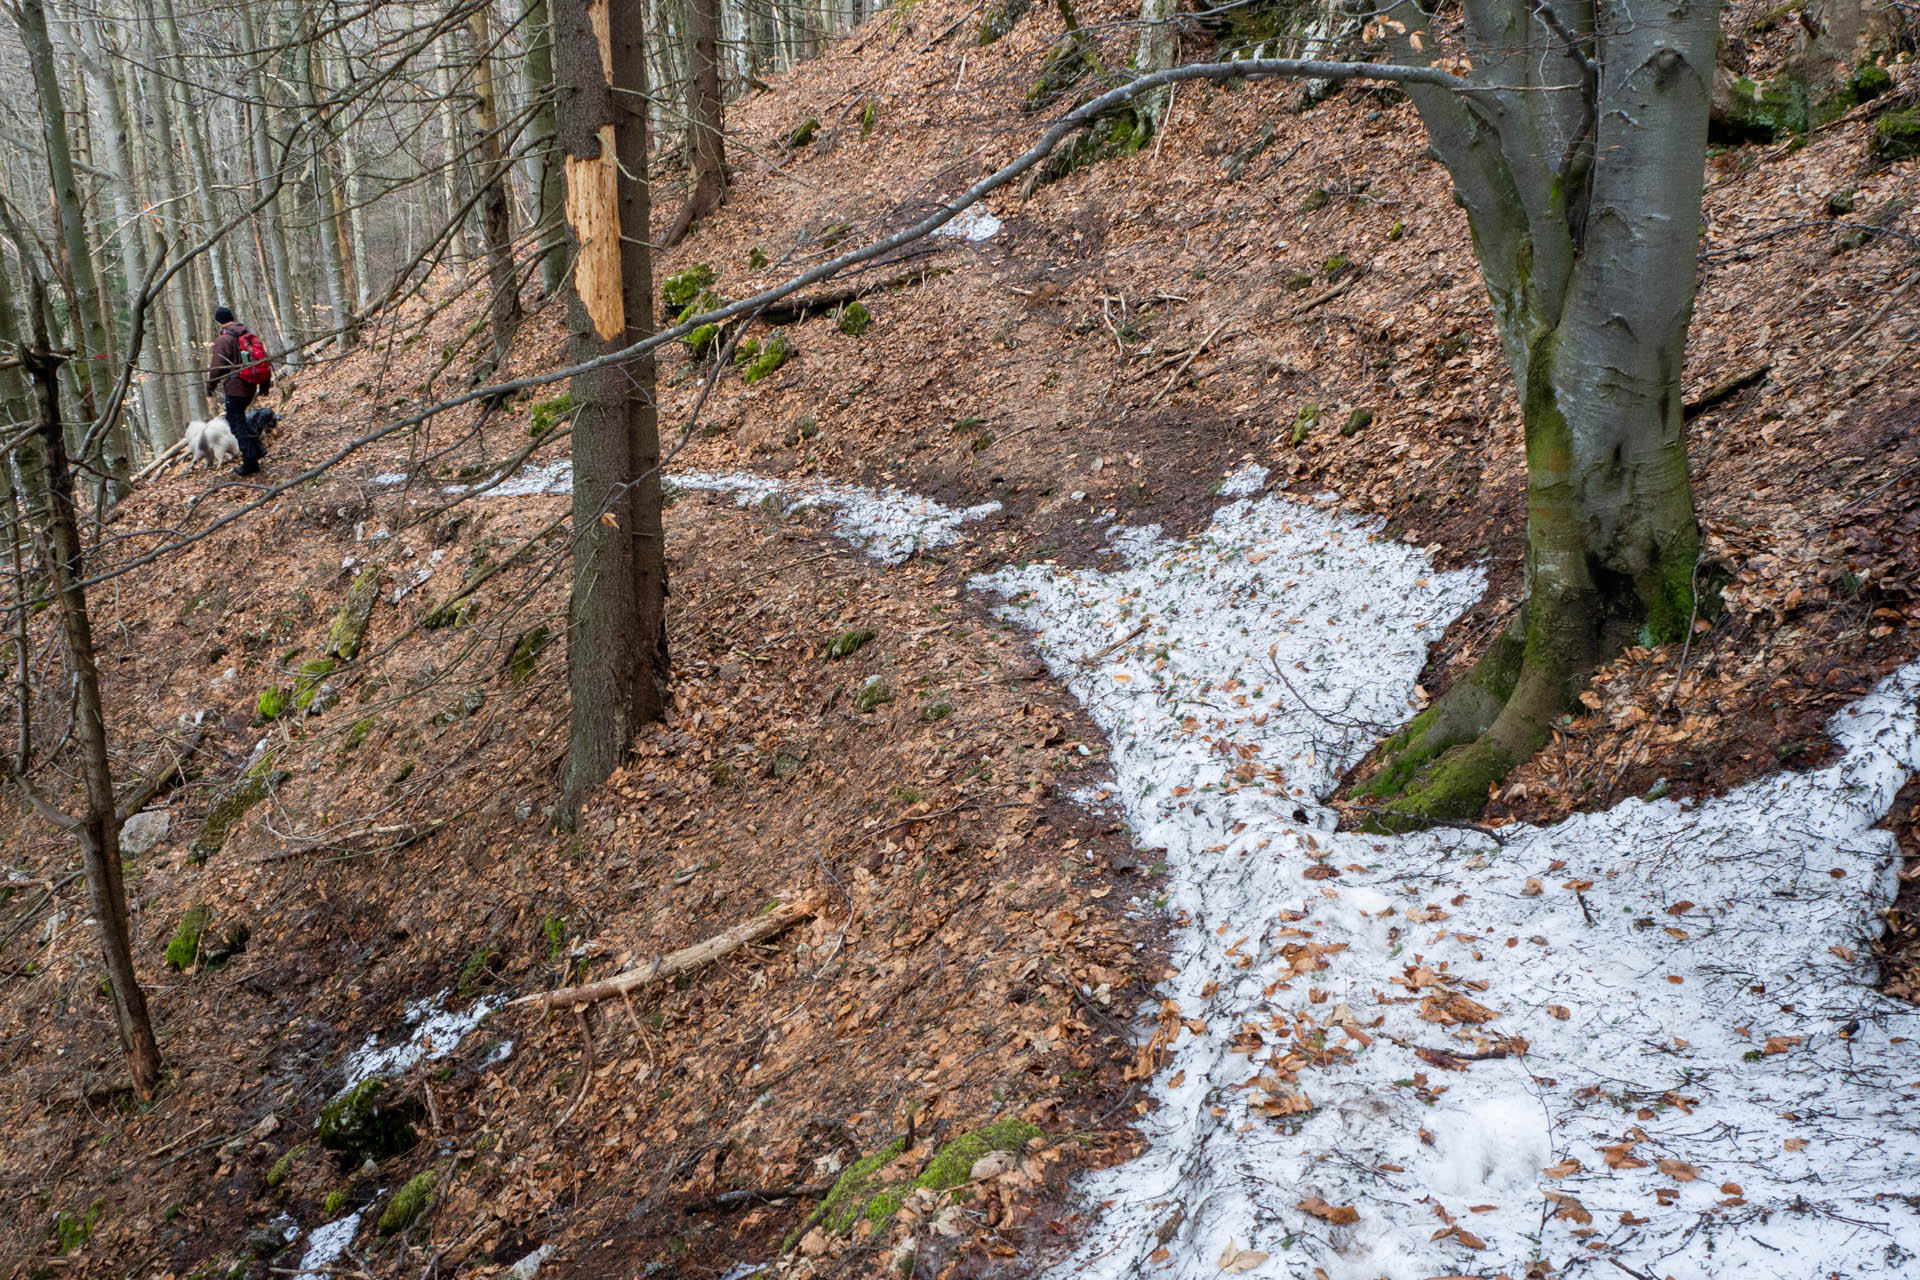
[223, 375]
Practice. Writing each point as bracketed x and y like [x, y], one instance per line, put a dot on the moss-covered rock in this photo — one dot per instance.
[848, 643]
[1761, 110]
[350, 623]
[272, 703]
[1001, 19]
[1303, 424]
[282, 1168]
[184, 947]
[1895, 138]
[333, 1204]
[863, 1193]
[544, 415]
[231, 803]
[1357, 421]
[855, 319]
[526, 652]
[1316, 200]
[408, 1203]
[309, 679]
[803, 134]
[682, 287]
[355, 1127]
[873, 695]
[770, 356]
[701, 340]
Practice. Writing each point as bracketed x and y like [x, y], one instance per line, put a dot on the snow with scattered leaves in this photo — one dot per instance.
[888, 524]
[434, 1032]
[328, 1243]
[1647, 1036]
[973, 223]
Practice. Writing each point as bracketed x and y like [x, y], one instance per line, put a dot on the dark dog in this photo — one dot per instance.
[263, 420]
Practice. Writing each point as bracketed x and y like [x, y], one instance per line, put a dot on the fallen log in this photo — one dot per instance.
[167, 455]
[1725, 389]
[674, 963]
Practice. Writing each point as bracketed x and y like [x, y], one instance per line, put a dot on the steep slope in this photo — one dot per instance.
[1294, 289]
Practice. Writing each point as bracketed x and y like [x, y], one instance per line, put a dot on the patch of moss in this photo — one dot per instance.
[855, 1189]
[479, 968]
[1397, 230]
[855, 319]
[804, 134]
[231, 803]
[867, 117]
[774, 353]
[350, 623]
[1316, 200]
[283, 1167]
[953, 1163]
[273, 703]
[70, 1232]
[848, 643]
[934, 712]
[1336, 267]
[858, 1193]
[1001, 19]
[408, 1203]
[682, 287]
[701, 340]
[184, 947]
[334, 1203]
[1896, 137]
[1763, 111]
[757, 260]
[307, 681]
[1297, 281]
[356, 1128]
[745, 350]
[873, 694]
[526, 652]
[1303, 424]
[545, 415]
[1357, 421]
[1868, 81]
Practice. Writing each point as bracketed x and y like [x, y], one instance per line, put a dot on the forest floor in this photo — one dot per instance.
[959, 796]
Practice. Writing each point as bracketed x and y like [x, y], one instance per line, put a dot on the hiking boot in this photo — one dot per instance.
[247, 469]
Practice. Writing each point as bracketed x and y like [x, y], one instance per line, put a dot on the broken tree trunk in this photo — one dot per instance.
[661, 968]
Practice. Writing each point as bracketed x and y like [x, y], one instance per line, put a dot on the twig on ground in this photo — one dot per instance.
[1090, 659]
[756, 1195]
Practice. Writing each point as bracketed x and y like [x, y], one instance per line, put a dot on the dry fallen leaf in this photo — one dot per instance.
[1796, 1144]
[1234, 1259]
[1679, 1170]
[1565, 1168]
[1339, 1215]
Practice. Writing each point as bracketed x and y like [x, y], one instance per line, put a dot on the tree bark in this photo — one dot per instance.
[270, 223]
[548, 181]
[452, 189]
[42, 460]
[1582, 179]
[616, 630]
[496, 217]
[706, 137]
[115, 456]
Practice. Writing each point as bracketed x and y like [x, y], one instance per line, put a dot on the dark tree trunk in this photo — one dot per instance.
[706, 139]
[616, 630]
[496, 221]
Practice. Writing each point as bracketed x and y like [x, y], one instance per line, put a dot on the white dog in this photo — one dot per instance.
[211, 443]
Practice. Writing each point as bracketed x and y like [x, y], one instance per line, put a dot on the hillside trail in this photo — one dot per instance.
[1219, 431]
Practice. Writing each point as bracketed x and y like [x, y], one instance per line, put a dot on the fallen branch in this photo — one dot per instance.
[164, 773]
[1324, 296]
[153, 468]
[1185, 364]
[757, 1195]
[1088, 660]
[682, 961]
[1726, 389]
[794, 310]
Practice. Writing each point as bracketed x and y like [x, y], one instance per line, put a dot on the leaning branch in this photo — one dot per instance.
[661, 968]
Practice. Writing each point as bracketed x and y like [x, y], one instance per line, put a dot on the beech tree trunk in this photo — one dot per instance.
[48, 480]
[496, 217]
[616, 629]
[550, 236]
[271, 222]
[706, 139]
[1581, 168]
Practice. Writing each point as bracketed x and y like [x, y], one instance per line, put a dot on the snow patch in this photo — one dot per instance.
[554, 478]
[1243, 483]
[328, 1243]
[973, 223]
[527, 1266]
[435, 1032]
[888, 524]
[1709, 1087]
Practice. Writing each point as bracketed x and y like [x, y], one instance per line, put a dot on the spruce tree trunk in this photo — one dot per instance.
[616, 629]
[706, 137]
[1585, 208]
[551, 236]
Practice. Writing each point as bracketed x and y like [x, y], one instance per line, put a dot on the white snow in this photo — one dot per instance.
[327, 1243]
[888, 524]
[1243, 483]
[1661, 962]
[973, 223]
[527, 1266]
[435, 1033]
[546, 478]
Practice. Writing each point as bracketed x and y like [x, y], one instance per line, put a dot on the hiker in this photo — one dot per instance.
[239, 371]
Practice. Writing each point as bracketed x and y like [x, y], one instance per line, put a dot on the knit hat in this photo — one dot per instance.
[223, 315]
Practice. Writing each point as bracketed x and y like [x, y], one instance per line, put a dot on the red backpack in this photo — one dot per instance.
[254, 369]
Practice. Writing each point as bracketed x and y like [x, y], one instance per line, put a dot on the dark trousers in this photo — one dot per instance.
[244, 435]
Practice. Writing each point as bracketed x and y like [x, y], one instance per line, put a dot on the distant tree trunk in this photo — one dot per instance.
[115, 458]
[452, 189]
[496, 216]
[130, 231]
[706, 138]
[550, 219]
[616, 632]
[271, 222]
[329, 209]
[1159, 46]
[42, 460]
[186, 112]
